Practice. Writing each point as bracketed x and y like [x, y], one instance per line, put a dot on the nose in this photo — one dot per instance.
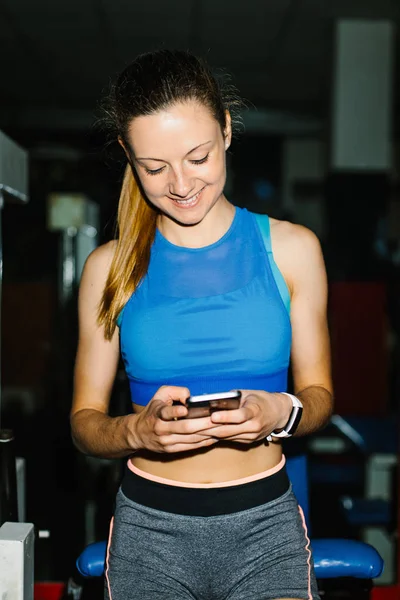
[180, 184]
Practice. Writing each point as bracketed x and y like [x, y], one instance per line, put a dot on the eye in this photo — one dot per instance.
[201, 160]
[153, 171]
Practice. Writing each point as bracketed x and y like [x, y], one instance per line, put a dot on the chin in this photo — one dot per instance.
[189, 218]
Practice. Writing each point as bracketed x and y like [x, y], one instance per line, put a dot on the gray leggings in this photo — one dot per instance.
[257, 554]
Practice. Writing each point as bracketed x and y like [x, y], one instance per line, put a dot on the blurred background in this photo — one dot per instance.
[320, 146]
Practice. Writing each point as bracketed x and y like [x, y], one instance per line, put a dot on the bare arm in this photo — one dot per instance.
[311, 362]
[93, 431]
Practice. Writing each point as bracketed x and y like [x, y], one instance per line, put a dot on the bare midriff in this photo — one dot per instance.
[224, 461]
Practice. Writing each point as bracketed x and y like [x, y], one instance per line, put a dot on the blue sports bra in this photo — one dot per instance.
[211, 319]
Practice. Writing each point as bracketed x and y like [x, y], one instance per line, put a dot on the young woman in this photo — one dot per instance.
[198, 302]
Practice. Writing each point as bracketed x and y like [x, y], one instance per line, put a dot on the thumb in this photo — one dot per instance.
[251, 398]
[169, 393]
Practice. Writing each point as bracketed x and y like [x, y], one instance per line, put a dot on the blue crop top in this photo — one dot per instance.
[211, 319]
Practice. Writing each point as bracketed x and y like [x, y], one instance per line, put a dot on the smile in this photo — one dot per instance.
[189, 202]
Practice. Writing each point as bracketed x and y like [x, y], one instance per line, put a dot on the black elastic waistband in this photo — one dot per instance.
[204, 502]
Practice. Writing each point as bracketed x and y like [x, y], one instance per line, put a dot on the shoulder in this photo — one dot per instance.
[297, 251]
[99, 261]
[293, 239]
[292, 233]
[91, 291]
[102, 256]
[97, 266]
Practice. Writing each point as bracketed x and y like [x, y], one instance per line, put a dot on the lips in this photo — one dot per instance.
[189, 202]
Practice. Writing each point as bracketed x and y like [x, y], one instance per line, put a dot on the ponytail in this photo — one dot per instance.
[136, 231]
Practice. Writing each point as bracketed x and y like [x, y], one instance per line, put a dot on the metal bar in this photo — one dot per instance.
[13, 193]
[8, 478]
[1, 281]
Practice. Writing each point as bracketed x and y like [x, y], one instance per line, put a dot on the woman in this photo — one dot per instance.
[198, 303]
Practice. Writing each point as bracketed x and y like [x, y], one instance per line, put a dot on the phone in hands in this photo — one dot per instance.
[205, 404]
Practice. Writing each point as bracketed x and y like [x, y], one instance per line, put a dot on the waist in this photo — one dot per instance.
[143, 391]
[205, 499]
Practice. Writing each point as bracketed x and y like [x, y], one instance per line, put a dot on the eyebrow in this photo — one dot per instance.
[161, 160]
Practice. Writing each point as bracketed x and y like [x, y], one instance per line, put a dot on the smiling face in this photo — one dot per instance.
[179, 156]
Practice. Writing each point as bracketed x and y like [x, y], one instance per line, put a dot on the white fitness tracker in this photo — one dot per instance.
[294, 419]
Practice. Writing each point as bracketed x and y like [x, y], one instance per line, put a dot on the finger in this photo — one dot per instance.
[244, 438]
[169, 393]
[189, 426]
[171, 413]
[187, 447]
[210, 431]
[230, 431]
[240, 441]
[251, 398]
[169, 422]
[239, 415]
[247, 395]
[188, 440]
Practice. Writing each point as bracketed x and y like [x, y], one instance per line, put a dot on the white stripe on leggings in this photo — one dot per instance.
[108, 558]
[308, 551]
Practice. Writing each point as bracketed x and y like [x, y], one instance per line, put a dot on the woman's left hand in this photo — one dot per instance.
[259, 414]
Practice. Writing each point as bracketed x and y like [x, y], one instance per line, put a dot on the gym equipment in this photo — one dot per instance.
[16, 559]
[367, 505]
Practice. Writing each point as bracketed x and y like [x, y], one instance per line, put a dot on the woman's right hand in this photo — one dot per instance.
[160, 427]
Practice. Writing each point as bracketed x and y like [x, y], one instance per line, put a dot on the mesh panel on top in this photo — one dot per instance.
[227, 265]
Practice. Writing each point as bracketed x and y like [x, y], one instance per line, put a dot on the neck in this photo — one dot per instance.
[208, 231]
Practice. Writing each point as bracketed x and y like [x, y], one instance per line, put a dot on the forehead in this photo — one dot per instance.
[179, 127]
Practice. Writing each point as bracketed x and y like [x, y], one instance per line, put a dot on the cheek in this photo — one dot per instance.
[152, 188]
[217, 170]
[220, 172]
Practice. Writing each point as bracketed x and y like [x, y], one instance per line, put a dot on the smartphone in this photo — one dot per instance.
[205, 404]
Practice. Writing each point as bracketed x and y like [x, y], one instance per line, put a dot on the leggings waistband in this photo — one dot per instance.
[229, 497]
[221, 484]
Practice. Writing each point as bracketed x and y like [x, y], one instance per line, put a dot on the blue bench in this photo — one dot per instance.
[333, 558]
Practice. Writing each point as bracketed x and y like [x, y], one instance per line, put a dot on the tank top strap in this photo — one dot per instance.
[265, 230]
[264, 226]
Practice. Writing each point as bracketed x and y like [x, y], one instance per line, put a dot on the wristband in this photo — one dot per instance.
[293, 422]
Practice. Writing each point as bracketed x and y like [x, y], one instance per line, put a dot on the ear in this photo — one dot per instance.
[121, 143]
[228, 130]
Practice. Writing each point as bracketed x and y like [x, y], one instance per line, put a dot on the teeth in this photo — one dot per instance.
[189, 200]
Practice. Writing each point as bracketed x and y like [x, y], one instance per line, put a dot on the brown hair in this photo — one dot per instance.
[153, 82]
